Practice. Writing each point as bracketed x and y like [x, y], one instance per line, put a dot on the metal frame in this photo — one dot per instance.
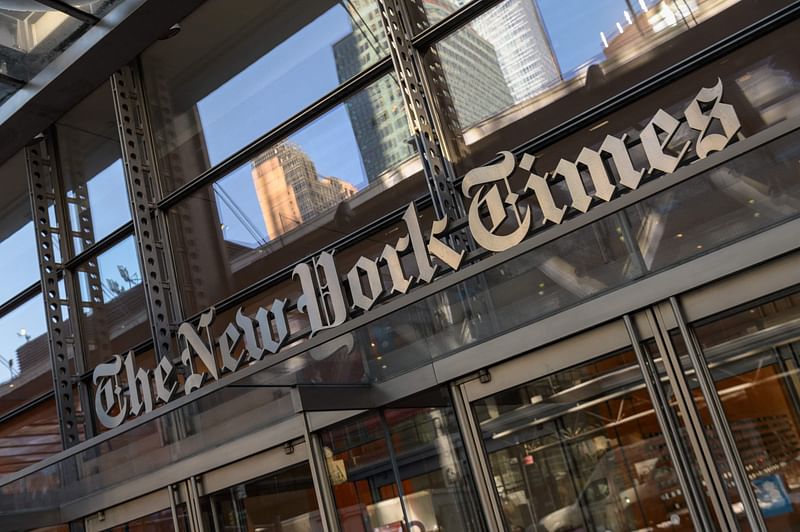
[719, 421]
[442, 183]
[44, 185]
[148, 222]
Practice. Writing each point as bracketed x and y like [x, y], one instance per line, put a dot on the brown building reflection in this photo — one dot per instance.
[290, 191]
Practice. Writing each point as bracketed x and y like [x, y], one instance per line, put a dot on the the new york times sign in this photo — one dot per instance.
[496, 222]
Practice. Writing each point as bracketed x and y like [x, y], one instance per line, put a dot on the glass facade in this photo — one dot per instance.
[147, 231]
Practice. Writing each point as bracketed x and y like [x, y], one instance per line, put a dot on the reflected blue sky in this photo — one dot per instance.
[282, 82]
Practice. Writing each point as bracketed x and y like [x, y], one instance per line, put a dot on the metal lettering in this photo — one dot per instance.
[425, 270]
[228, 341]
[328, 309]
[544, 196]
[390, 256]
[139, 390]
[711, 99]
[439, 249]
[654, 148]
[165, 381]
[370, 268]
[193, 343]
[108, 394]
[272, 336]
[489, 196]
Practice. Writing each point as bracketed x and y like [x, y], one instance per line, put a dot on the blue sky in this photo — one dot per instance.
[273, 88]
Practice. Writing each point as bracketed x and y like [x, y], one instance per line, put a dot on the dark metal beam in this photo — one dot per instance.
[67, 9]
[82, 67]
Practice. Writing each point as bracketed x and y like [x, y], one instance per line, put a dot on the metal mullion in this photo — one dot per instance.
[452, 23]
[319, 476]
[74, 12]
[477, 459]
[20, 298]
[693, 424]
[693, 491]
[296, 122]
[100, 246]
[719, 421]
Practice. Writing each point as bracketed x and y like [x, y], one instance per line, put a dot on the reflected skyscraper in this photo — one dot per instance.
[516, 31]
[477, 90]
[290, 191]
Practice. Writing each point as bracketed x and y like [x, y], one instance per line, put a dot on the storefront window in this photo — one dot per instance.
[525, 66]
[112, 300]
[282, 501]
[434, 490]
[24, 355]
[297, 196]
[754, 359]
[160, 521]
[30, 436]
[213, 92]
[582, 450]
[20, 265]
[94, 181]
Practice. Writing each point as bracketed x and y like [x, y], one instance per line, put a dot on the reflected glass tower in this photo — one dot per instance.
[290, 191]
[516, 32]
[475, 80]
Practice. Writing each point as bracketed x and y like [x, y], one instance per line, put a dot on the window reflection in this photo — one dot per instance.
[30, 436]
[434, 490]
[113, 311]
[754, 358]
[304, 192]
[212, 93]
[283, 501]
[94, 181]
[157, 522]
[582, 450]
[32, 35]
[20, 265]
[525, 66]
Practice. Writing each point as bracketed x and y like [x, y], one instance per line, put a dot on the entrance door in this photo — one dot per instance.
[272, 491]
[573, 440]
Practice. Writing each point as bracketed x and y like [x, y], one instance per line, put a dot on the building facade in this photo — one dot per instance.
[399, 265]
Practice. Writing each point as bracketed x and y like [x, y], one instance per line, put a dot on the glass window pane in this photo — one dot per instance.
[113, 311]
[24, 355]
[582, 450]
[526, 66]
[754, 358]
[160, 521]
[297, 196]
[32, 35]
[20, 265]
[91, 165]
[437, 488]
[282, 501]
[748, 194]
[97, 8]
[30, 436]
[213, 92]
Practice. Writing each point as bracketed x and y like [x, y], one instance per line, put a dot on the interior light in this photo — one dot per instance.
[627, 16]
[642, 5]
[619, 28]
[603, 38]
[679, 235]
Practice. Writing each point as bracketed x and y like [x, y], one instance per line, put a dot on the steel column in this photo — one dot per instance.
[45, 191]
[148, 221]
[719, 421]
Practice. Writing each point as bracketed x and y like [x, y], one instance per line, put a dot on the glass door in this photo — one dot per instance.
[270, 492]
[753, 358]
[582, 447]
